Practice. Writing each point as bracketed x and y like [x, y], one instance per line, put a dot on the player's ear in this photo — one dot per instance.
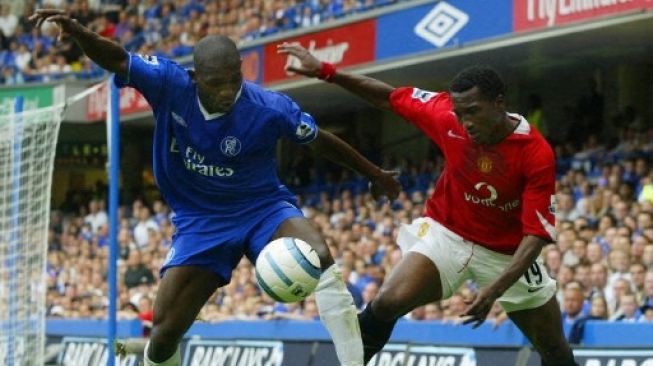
[499, 101]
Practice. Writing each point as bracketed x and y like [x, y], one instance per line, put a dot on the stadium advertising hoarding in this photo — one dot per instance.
[213, 352]
[252, 65]
[236, 352]
[611, 357]
[536, 14]
[90, 351]
[39, 96]
[404, 32]
[414, 355]
[348, 45]
[131, 101]
[443, 24]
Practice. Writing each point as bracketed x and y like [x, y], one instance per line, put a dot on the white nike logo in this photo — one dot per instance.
[550, 229]
[451, 134]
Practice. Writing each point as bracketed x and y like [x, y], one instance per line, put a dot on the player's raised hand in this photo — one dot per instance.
[386, 185]
[309, 65]
[479, 309]
[66, 24]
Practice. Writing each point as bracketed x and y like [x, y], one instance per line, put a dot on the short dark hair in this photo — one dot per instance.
[484, 77]
[216, 51]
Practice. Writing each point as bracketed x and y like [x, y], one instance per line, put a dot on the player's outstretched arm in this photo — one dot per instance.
[104, 52]
[382, 182]
[370, 89]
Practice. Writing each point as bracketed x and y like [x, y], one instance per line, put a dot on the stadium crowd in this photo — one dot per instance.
[167, 28]
[603, 260]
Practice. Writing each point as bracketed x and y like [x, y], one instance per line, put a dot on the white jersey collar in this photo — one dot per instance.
[523, 128]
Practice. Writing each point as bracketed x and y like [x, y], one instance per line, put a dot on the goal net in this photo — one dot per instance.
[27, 149]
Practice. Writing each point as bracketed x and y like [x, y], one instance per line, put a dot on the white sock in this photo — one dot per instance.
[174, 360]
[339, 316]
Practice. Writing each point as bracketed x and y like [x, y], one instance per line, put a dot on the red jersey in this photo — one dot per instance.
[492, 195]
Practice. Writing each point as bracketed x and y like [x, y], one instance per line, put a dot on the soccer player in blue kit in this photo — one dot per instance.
[214, 162]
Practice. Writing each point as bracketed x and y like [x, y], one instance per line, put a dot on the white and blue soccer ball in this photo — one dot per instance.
[288, 269]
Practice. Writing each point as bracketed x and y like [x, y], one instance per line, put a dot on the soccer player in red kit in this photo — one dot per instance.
[491, 213]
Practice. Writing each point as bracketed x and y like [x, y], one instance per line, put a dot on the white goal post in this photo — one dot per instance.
[27, 148]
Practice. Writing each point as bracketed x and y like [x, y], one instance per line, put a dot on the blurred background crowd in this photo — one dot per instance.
[167, 28]
[603, 260]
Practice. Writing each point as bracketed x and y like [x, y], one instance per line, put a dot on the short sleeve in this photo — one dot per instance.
[538, 214]
[431, 112]
[298, 126]
[411, 103]
[147, 74]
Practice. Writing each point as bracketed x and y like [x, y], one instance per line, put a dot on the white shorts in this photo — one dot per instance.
[458, 260]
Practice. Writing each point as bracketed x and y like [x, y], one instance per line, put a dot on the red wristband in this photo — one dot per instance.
[327, 71]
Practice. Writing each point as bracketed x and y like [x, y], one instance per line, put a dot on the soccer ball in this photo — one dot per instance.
[288, 269]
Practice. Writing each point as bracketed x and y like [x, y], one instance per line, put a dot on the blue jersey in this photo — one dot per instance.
[216, 164]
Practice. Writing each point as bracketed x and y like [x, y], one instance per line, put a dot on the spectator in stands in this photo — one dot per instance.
[433, 311]
[573, 303]
[648, 289]
[599, 279]
[552, 260]
[82, 12]
[8, 56]
[369, 292]
[647, 314]
[96, 216]
[647, 255]
[172, 27]
[22, 57]
[598, 311]
[310, 311]
[137, 273]
[143, 227]
[456, 306]
[12, 76]
[618, 262]
[8, 20]
[594, 253]
[582, 275]
[637, 273]
[621, 286]
[145, 314]
[566, 210]
[628, 310]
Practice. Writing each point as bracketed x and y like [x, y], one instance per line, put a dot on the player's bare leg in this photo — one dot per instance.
[543, 327]
[182, 293]
[334, 302]
[413, 283]
[301, 228]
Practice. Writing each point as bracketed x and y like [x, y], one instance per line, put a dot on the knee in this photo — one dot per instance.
[164, 331]
[322, 250]
[387, 305]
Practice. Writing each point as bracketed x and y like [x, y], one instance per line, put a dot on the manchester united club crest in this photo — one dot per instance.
[484, 164]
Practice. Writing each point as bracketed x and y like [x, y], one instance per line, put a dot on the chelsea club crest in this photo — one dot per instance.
[230, 146]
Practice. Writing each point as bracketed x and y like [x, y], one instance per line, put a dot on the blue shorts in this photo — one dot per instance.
[218, 243]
